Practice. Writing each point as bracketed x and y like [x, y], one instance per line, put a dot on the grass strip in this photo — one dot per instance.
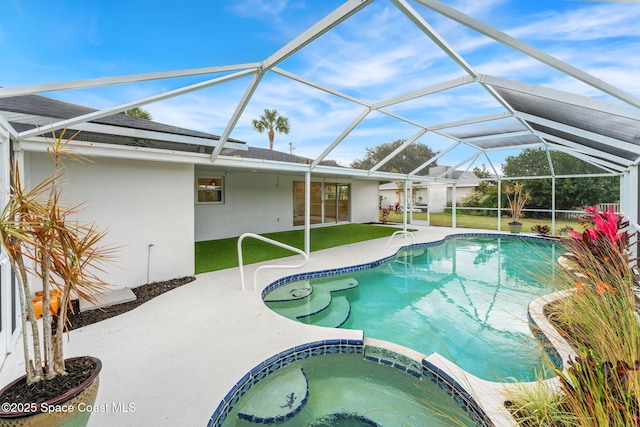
[213, 255]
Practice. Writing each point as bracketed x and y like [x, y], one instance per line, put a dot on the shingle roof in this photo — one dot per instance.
[30, 111]
[278, 156]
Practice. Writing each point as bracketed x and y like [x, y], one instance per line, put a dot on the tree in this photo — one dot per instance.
[413, 156]
[272, 122]
[139, 113]
[571, 193]
[482, 171]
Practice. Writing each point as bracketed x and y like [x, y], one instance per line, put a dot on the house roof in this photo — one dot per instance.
[27, 112]
[273, 155]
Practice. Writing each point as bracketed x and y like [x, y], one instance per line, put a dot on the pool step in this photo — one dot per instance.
[290, 292]
[336, 285]
[318, 301]
[282, 397]
[315, 303]
[408, 253]
[333, 316]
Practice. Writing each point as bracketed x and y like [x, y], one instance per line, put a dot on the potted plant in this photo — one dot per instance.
[46, 245]
[517, 197]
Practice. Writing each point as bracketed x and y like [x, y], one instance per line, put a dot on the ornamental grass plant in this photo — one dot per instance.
[601, 385]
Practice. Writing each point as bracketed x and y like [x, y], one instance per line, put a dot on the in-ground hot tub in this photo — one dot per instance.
[345, 383]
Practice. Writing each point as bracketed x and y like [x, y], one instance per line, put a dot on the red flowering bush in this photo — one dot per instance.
[600, 253]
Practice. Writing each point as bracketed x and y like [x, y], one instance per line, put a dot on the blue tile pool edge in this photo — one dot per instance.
[457, 392]
[359, 267]
[370, 353]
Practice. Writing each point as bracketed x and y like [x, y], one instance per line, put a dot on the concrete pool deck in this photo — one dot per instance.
[170, 361]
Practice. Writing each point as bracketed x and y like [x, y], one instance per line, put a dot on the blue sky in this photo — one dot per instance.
[374, 55]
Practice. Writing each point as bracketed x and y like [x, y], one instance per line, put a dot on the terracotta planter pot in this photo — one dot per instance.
[54, 303]
[72, 409]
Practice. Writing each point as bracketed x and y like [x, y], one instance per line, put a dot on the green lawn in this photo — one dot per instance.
[215, 255]
[464, 220]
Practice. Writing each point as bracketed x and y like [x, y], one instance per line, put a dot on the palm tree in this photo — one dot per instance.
[139, 113]
[271, 121]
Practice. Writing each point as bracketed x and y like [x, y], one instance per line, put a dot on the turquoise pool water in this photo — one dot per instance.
[345, 390]
[465, 298]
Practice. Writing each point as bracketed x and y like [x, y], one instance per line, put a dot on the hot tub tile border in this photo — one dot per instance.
[275, 362]
[457, 393]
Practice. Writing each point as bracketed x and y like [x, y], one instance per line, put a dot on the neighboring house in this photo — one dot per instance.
[436, 195]
[158, 192]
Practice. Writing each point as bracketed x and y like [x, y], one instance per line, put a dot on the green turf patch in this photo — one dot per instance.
[219, 254]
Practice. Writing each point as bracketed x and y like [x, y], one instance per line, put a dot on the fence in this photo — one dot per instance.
[578, 212]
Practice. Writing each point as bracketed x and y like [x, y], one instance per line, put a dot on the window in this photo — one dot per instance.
[209, 189]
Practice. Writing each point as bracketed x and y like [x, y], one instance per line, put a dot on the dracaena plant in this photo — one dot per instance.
[49, 249]
[517, 197]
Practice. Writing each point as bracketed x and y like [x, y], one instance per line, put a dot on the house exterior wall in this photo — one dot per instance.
[253, 203]
[141, 203]
[437, 196]
[461, 193]
[364, 201]
[263, 203]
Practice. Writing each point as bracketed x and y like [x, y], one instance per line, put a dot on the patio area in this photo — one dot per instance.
[171, 360]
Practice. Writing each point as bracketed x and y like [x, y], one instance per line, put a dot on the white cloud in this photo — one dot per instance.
[260, 9]
[590, 22]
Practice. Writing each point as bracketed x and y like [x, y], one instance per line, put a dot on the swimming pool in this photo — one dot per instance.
[334, 383]
[465, 297]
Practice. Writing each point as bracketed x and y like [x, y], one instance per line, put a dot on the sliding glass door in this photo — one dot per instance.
[329, 202]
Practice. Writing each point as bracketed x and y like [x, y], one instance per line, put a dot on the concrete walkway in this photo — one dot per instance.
[170, 361]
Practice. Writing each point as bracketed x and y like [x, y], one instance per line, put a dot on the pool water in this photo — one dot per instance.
[347, 390]
[466, 299]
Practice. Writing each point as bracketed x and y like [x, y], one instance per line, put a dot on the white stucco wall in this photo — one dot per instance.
[364, 201]
[254, 203]
[141, 203]
[263, 203]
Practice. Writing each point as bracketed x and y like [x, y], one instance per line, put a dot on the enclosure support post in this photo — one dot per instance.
[553, 205]
[404, 207]
[307, 212]
[454, 198]
[499, 204]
